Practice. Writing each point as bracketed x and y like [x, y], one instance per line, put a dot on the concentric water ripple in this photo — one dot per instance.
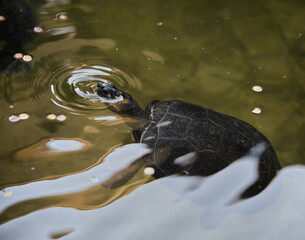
[73, 87]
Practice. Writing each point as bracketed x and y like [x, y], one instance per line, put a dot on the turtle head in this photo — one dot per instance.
[123, 104]
[108, 91]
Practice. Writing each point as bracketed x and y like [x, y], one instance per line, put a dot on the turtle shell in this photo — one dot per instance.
[176, 128]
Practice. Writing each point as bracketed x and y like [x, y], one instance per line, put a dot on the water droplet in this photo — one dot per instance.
[257, 88]
[149, 171]
[13, 118]
[159, 24]
[32, 168]
[175, 38]
[51, 116]
[256, 110]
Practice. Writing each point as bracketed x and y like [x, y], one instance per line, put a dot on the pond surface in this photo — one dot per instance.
[211, 53]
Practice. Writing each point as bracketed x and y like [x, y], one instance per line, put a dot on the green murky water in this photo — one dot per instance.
[209, 53]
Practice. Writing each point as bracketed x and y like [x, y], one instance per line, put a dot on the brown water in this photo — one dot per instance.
[209, 53]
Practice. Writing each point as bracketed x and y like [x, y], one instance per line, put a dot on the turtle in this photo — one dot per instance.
[207, 141]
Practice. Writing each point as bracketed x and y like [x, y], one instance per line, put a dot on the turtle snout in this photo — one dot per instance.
[100, 85]
[107, 90]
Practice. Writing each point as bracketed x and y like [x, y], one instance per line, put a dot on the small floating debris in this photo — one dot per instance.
[257, 88]
[149, 171]
[7, 193]
[2, 18]
[27, 58]
[61, 118]
[38, 29]
[13, 118]
[18, 55]
[12, 106]
[94, 179]
[256, 110]
[159, 24]
[32, 168]
[62, 17]
[51, 116]
[24, 116]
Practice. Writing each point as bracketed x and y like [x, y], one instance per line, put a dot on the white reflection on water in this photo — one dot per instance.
[59, 145]
[156, 211]
[114, 162]
[176, 207]
[105, 118]
[52, 146]
[61, 30]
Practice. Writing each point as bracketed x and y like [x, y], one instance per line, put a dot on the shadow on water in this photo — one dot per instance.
[17, 29]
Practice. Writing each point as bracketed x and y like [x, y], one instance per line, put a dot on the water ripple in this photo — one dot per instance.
[73, 86]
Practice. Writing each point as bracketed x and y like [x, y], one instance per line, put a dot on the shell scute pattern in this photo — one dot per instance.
[203, 134]
[188, 110]
[173, 127]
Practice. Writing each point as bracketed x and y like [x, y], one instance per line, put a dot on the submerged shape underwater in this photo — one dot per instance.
[70, 166]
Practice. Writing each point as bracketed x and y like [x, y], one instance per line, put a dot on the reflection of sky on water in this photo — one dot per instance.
[64, 145]
[52, 147]
[153, 211]
[179, 207]
[114, 162]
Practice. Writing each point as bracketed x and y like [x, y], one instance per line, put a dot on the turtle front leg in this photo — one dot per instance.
[119, 178]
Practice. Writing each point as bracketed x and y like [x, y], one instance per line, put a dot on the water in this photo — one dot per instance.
[209, 53]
